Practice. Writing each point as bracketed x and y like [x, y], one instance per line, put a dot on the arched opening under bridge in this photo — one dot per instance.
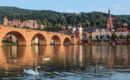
[38, 39]
[55, 40]
[13, 38]
[67, 41]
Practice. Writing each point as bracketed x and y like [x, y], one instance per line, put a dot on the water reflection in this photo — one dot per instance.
[70, 61]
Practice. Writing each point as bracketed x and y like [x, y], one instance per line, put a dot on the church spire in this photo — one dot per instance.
[110, 22]
[109, 12]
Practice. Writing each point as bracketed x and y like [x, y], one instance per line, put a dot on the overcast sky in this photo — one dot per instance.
[77, 6]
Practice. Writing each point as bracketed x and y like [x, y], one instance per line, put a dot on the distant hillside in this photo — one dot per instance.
[125, 16]
[52, 18]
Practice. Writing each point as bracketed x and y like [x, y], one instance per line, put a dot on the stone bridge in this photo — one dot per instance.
[25, 36]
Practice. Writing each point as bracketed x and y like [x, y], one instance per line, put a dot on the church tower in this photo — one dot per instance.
[80, 30]
[5, 22]
[110, 22]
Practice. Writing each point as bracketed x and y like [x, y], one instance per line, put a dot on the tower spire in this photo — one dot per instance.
[110, 22]
[109, 12]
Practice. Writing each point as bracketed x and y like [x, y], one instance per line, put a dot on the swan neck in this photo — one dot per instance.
[36, 70]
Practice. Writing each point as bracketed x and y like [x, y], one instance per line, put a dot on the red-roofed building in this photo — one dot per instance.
[128, 31]
[122, 31]
[65, 31]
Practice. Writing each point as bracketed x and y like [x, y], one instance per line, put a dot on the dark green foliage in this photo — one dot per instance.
[125, 16]
[54, 19]
[54, 29]
[123, 19]
[114, 36]
[108, 36]
[97, 37]
[90, 37]
[128, 36]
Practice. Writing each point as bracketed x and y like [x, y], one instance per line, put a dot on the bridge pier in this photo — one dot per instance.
[1, 44]
[47, 43]
[73, 40]
[21, 43]
[28, 43]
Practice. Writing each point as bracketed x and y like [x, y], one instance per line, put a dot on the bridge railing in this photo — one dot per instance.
[28, 29]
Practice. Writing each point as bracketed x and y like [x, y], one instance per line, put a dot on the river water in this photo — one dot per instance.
[78, 62]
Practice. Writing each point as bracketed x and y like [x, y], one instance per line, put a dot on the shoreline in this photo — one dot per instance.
[88, 43]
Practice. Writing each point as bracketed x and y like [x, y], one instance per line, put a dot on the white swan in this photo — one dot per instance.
[32, 72]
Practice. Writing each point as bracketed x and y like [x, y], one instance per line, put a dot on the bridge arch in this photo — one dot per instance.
[55, 40]
[38, 39]
[20, 38]
[24, 36]
[67, 41]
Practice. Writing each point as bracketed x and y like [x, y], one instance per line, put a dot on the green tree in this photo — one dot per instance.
[128, 36]
[108, 36]
[90, 37]
[114, 36]
[97, 37]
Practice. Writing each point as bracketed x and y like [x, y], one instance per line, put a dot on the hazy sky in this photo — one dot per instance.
[116, 6]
